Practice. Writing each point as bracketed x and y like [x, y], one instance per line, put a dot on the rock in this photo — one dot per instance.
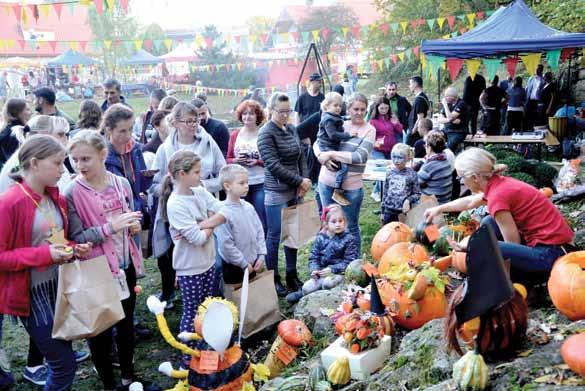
[580, 239]
[310, 309]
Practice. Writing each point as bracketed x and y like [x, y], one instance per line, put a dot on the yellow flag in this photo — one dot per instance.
[423, 60]
[2, 44]
[138, 44]
[380, 64]
[401, 56]
[168, 43]
[471, 19]
[472, 67]
[531, 62]
[315, 34]
[199, 41]
[344, 31]
[10, 43]
[283, 37]
[253, 39]
[24, 17]
[44, 9]
[110, 5]
[404, 25]
[446, 36]
[73, 45]
[108, 44]
[441, 21]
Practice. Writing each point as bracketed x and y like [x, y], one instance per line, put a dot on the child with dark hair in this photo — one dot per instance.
[435, 174]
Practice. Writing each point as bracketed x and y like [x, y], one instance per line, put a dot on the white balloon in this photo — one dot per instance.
[218, 326]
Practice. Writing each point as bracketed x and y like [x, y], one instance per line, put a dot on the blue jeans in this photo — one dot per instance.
[340, 175]
[379, 155]
[255, 197]
[352, 211]
[538, 259]
[274, 222]
[454, 139]
[58, 353]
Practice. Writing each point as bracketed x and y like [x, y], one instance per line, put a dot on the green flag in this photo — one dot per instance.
[552, 57]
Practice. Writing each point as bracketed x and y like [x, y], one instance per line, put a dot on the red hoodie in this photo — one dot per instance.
[17, 257]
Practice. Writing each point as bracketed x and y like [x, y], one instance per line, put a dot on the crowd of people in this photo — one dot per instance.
[212, 200]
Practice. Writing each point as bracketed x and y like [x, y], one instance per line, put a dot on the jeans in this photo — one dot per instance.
[352, 211]
[454, 139]
[255, 197]
[58, 353]
[340, 175]
[274, 222]
[379, 155]
[491, 122]
[539, 259]
[514, 121]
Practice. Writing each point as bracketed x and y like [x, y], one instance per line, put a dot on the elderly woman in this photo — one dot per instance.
[354, 153]
[243, 150]
[285, 182]
[531, 230]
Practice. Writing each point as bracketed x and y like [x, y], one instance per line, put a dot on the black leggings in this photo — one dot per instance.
[167, 274]
[101, 345]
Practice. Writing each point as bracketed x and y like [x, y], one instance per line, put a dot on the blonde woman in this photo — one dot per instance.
[531, 230]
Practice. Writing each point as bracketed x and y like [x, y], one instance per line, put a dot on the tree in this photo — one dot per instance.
[258, 25]
[155, 32]
[566, 15]
[117, 28]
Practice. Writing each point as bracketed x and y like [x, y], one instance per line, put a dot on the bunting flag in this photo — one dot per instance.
[441, 21]
[401, 56]
[394, 27]
[315, 34]
[451, 21]
[423, 61]
[58, 7]
[325, 33]
[435, 63]
[124, 5]
[356, 32]
[491, 67]
[99, 6]
[404, 25]
[431, 23]
[384, 28]
[44, 9]
[168, 43]
[566, 53]
[454, 66]
[472, 67]
[553, 57]
[471, 19]
[531, 61]
[408, 53]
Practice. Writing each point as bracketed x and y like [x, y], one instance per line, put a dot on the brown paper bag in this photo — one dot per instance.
[87, 300]
[262, 309]
[300, 224]
[416, 215]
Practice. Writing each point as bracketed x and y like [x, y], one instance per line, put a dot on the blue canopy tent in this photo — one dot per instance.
[510, 30]
[71, 58]
[141, 57]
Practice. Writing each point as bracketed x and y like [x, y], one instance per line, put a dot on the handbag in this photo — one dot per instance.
[88, 301]
[300, 224]
[262, 308]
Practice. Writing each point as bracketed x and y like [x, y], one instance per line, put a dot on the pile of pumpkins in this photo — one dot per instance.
[402, 262]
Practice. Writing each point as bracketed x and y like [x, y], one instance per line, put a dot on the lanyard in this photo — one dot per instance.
[54, 236]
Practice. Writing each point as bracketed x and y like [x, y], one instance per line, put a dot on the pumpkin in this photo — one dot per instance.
[355, 273]
[420, 234]
[471, 372]
[340, 323]
[323, 385]
[363, 302]
[566, 285]
[293, 383]
[468, 331]
[412, 314]
[521, 289]
[338, 372]
[388, 235]
[547, 192]
[316, 374]
[403, 252]
[291, 332]
[458, 260]
[419, 287]
[442, 263]
[573, 353]
[385, 324]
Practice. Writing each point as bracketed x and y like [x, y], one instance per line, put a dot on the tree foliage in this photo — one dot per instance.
[566, 15]
[155, 32]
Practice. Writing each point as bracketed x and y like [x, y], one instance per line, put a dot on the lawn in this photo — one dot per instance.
[150, 354]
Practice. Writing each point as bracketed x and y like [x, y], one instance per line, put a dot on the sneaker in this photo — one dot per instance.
[81, 356]
[294, 297]
[142, 332]
[376, 196]
[37, 375]
[146, 386]
[339, 198]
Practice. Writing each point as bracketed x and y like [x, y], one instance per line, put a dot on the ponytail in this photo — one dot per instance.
[166, 190]
[180, 161]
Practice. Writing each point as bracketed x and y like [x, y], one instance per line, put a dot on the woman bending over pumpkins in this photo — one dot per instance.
[531, 231]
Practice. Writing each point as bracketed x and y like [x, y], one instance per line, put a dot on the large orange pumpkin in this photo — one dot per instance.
[403, 252]
[566, 285]
[388, 235]
[412, 314]
[573, 353]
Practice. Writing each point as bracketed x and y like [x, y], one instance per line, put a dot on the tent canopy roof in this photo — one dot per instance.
[141, 57]
[511, 29]
[71, 58]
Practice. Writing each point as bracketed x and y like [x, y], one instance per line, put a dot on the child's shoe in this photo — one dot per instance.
[339, 197]
[294, 297]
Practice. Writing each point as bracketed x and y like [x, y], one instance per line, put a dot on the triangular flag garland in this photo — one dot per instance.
[472, 67]
[552, 58]
[491, 67]
[511, 63]
[531, 62]
[454, 66]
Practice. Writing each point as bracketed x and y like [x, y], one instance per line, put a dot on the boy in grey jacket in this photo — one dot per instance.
[241, 242]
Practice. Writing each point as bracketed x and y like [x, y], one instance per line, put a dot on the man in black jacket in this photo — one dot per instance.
[398, 104]
[216, 128]
[472, 89]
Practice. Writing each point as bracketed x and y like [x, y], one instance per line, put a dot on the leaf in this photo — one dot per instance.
[526, 353]
[549, 379]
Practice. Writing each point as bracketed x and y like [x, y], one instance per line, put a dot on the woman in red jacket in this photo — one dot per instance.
[32, 245]
[243, 150]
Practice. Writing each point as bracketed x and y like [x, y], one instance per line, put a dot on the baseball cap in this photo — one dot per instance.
[316, 77]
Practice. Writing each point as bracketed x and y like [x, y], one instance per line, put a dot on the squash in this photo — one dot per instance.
[573, 353]
[355, 273]
[468, 331]
[471, 372]
[385, 324]
[412, 314]
[403, 252]
[340, 323]
[323, 385]
[388, 235]
[338, 372]
[316, 374]
[363, 302]
[547, 192]
[566, 285]
[521, 289]
[293, 383]
[442, 263]
[291, 332]
[419, 287]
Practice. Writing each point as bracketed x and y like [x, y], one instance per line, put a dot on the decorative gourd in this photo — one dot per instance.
[355, 273]
[419, 287]
[292, 333]
[293, 383]
[403, 252]
[471, 372]
[468, 331]
[338, 372]
[316, 374]
[421, 236]
[323, 385]
[385, 324]
[566, 285]
[388, 235]
[412, 314]
[340, 323]
[521, 289]
[573, 353]
[458, 260]
[547, 192]
[363, 302]
[442, 263]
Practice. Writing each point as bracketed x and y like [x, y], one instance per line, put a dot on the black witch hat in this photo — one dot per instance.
[376, 305]
[487, 285]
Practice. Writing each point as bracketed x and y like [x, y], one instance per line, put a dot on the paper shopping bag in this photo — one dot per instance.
[88, 301]
[416, 215]
[262, 309]
[300, 224]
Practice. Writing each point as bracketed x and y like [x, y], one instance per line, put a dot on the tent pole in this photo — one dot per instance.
[569, 82]
[439, 84]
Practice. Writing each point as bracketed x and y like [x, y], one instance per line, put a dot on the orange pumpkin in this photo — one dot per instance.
[294, 332]
[403, 252]
[547, 191]
[468, 331]
[566, 285]
[363, 302]
[412, 314]
[389, 235]
[442, 263]
[458, 261]
[340, 323]
[573, 353]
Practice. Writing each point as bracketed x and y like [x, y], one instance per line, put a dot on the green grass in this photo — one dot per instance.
[150, 354]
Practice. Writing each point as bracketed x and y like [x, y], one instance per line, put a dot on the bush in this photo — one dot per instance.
[523, 177]
[544, 174]
[518, 164]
